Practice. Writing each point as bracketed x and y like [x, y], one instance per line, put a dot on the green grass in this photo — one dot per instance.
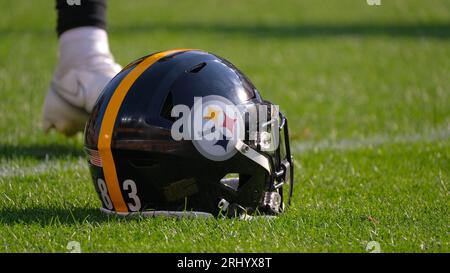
[366, 90]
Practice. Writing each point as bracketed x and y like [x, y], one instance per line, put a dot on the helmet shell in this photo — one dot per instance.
[135, 163]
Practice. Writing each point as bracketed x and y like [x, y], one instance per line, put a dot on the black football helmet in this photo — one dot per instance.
[139, 166]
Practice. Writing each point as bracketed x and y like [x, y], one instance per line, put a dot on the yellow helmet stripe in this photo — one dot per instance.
[107, 126]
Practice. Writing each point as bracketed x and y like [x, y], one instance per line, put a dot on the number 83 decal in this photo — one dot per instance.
[129, 186]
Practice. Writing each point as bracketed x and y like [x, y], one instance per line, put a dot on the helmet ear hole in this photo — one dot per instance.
[231, 180]
[234, 180]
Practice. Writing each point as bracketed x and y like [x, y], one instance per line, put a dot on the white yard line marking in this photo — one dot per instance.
[45, 167]
[377, 140]
[52, 166]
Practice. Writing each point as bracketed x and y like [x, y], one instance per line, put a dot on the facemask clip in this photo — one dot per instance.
[272, 202]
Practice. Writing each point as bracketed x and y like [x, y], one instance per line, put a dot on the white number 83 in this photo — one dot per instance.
[129, 186]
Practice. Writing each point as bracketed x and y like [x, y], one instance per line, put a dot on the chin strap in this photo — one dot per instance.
[271, 205]
[232, 210]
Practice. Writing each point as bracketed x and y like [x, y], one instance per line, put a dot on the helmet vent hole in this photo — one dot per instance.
[167, 108]
[196, 68]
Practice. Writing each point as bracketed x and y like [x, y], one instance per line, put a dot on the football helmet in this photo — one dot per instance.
[184, 133]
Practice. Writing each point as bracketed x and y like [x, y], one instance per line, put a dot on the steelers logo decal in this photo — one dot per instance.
[217, 125]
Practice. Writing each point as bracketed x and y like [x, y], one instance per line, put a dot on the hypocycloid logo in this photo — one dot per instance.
[216, 126]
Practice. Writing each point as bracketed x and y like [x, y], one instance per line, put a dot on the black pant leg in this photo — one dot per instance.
[77, 13]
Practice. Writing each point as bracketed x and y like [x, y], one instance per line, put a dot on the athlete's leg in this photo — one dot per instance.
[85, 65]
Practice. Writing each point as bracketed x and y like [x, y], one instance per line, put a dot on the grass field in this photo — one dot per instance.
[366, 90]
